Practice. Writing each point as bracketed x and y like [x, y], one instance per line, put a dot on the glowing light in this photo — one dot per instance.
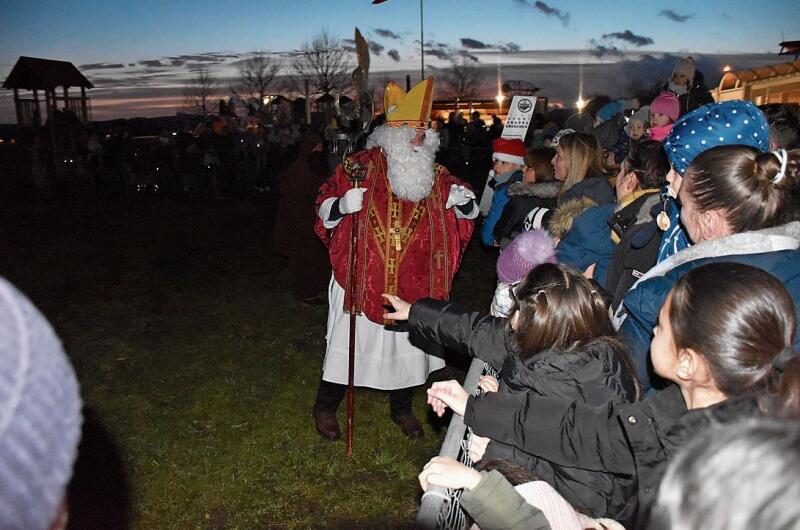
[726, 68]
[581, 103]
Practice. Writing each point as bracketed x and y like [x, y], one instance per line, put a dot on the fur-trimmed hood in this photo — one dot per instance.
[565, 215]
[542, 190]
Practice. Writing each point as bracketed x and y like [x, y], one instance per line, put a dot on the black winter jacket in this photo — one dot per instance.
[594, 376]
[529, 207]
[627, 440]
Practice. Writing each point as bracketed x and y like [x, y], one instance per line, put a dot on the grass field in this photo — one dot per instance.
[195, 359]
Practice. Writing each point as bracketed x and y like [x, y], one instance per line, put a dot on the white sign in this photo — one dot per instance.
[519, 117]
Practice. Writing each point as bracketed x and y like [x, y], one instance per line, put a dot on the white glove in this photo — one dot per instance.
[352, 201]
[459, 195]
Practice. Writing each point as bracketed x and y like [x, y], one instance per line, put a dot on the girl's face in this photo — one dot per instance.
[675, 181]
[690, 217]
[635, 130]
[559, 165]
[663, 352]
[658, 120]
[623, 183]
[528, 174]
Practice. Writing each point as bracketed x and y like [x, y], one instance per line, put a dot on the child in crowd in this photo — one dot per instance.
[638, 124]
[724, 339]
[525, 252]
[664, 110]
[558, 343]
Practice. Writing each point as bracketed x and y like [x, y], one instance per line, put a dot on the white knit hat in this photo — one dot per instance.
[40, 415]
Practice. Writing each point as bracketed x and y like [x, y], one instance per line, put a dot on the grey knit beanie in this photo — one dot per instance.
[40, 415]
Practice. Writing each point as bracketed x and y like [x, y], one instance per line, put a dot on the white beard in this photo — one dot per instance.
[410, 168]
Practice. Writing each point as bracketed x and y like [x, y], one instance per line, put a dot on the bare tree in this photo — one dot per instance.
[463, 78]
[256, 75]
[324, 62]
[200, 90]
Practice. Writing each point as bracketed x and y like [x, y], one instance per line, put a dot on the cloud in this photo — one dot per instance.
[509, 47]
[474, 44]
[101, 66]
[208, 57]
[602, 50]
[154, 63]
[386, 33]
[551, 11]
[672, 15]
[375, 47]
[394, 54]
[438, 53]
[629, 36]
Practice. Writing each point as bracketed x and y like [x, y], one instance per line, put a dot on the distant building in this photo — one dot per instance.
[46, 75]
[777, 83]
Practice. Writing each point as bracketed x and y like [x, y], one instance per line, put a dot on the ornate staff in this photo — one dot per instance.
[355, 116]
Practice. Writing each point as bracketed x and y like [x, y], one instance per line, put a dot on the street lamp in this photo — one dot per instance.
[500, 98]
[581, 103]
[726, 68]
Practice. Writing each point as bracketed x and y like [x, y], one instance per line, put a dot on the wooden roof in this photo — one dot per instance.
[735, 79]
[32, 73]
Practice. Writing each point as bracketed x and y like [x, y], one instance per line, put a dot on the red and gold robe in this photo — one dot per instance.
[405, 248]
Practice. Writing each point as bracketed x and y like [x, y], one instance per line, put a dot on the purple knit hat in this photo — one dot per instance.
[525, 252]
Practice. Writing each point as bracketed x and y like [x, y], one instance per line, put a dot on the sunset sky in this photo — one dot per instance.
[139, 53]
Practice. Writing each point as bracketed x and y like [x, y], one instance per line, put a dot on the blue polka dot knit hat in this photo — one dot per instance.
[725, 123]
[40, 416]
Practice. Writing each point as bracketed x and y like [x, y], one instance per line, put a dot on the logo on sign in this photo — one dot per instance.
[524, 105]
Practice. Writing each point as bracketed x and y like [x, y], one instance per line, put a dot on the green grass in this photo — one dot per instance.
[194, 356]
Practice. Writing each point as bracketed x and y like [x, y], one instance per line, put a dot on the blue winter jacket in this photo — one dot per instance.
[589, 241]
[774, 250]
[674, 238]
[499, 201]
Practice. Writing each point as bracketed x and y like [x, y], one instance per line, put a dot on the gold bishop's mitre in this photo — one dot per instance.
[412, 109]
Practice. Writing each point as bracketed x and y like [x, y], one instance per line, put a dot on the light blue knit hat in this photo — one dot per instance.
[726, 123]
[40, 415]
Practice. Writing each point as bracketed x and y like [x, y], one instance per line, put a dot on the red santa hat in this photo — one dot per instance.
[511, 151]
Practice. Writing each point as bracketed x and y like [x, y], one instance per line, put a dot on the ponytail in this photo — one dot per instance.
[752, 188]
[781, 395]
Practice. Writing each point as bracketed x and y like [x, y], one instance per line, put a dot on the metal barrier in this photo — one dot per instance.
[440, 508]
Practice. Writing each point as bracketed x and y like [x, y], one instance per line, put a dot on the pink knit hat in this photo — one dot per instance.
[525, 252]
[666, 103]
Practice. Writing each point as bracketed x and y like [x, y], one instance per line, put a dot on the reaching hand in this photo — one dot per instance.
[477, 447]
[352, 201]
[459, 195]
[401, 307]
[443, 394]
[487, 383]
[446, 472]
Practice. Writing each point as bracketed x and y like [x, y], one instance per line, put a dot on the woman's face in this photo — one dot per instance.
[663, 352]
[559, 165]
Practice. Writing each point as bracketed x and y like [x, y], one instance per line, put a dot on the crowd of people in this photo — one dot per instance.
[644, 329]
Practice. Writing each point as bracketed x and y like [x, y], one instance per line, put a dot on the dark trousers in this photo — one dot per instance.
[330, 395]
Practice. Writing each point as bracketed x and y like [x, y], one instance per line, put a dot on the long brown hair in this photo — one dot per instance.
[582, 157]
[741, 320]
[741, 181]
[538, 159]
[558, 309]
